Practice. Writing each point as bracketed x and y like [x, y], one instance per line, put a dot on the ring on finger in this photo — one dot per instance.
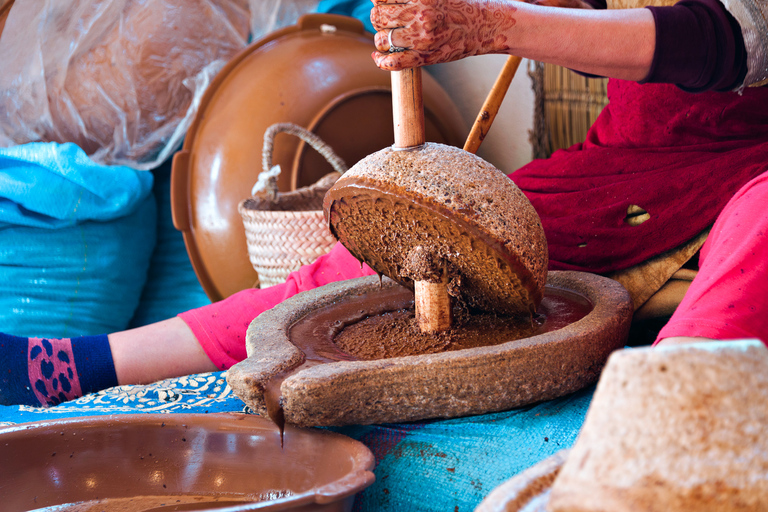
[392, 47]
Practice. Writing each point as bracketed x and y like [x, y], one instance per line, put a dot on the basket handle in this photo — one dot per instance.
[268, 176]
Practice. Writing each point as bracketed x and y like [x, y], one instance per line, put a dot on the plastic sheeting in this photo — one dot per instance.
[120, 78]
[75, 241]
[268, 16]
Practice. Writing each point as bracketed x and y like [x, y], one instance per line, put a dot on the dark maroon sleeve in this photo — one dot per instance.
[699, 47]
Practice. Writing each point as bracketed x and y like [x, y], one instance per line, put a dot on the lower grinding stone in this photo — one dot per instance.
[441, 385]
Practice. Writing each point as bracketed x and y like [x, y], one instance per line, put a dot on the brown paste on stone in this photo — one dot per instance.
[383, 230]
[466, 214]
[383, 325]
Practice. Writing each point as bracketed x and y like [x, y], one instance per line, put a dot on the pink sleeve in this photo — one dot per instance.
[727, 299]
[220, 327]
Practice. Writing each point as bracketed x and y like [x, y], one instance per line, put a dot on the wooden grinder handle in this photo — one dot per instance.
[433, 304]
[408, 108]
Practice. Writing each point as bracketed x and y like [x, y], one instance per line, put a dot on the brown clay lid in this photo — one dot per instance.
[405, 212]
[185, 461]
[317, 74]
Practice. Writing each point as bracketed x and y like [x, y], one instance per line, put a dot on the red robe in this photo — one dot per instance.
[680, 156]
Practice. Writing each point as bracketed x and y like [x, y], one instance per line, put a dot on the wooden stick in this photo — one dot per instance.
[408, 108]
[433, 306]
[491, 106]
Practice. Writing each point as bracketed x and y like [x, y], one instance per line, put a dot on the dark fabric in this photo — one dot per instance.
[14, 380]
[93, 359]
[597, 4]
[699, 47]
[678, 155]
[41, 371]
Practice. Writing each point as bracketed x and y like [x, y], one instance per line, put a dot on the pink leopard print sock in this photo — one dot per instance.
[46, 371]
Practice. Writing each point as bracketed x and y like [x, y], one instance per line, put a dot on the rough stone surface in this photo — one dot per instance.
[672, 429]
[269, 353]
[463, 382]
[461, 209]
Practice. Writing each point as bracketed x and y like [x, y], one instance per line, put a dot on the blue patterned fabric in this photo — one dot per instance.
[442, 465]
[201, 393]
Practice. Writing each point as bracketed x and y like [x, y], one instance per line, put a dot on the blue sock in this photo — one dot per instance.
[47, 371]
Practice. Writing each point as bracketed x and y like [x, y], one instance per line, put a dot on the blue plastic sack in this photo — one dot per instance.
[75, 241]
[360, 9]
[53, 185]
[172, 285]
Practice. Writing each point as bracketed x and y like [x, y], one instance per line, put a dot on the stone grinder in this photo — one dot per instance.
[440, 220]
[449, 226]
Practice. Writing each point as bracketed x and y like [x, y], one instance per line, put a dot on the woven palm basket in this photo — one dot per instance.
[286, 230]
[566, 105]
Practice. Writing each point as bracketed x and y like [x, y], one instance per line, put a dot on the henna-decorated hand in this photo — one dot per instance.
[435, 31]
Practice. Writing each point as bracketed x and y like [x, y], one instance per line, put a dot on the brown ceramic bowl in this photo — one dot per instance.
[322, 80]
[185, 462]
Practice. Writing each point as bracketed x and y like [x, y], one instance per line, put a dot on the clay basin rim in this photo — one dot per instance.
[443, 385]
[140, 461]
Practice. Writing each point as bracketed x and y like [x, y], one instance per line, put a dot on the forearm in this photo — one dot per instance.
[697, 45]
[617, 44]
[157, 351]
[614, 43]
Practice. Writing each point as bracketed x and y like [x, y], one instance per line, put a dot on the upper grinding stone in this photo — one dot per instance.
[455, 206]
